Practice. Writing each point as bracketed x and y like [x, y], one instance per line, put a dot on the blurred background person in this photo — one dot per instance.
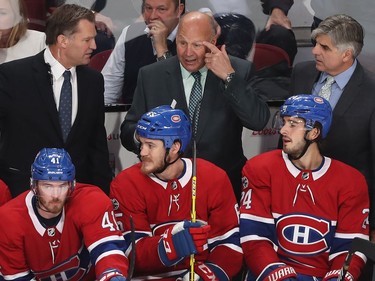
[16, 40]
[141, 44]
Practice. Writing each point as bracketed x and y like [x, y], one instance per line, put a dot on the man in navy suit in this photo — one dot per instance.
[351, 139]
[229, 102]
[29, 103]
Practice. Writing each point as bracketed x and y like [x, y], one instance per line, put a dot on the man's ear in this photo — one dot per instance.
[62, 40]
[314, 134]
[176, 146]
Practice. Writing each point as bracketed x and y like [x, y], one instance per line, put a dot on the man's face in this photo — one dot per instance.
[164, 11]
[293, 133]
[80, 45]
[152, 154]
[328, 57]
[190, 50]
[52, 196]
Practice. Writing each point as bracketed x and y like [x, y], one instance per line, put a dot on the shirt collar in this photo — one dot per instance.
[186, 74]
[57, 68]
[341, 79]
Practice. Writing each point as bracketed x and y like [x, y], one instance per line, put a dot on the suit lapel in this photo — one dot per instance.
[350, 92]
[208, 102]
[175, 85]
[44, 88]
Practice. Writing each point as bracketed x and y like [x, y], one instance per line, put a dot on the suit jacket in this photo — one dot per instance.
[29, 122]
[351, 138]
[223, 113]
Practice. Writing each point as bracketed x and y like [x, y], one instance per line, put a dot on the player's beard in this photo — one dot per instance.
[150, 166]
[53, 206]
[293, 149]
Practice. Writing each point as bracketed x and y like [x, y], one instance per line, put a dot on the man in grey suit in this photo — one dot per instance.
[30, 91]
[229, 102]
[339, 40]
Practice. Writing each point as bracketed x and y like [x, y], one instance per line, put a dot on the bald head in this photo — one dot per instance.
[201, 20]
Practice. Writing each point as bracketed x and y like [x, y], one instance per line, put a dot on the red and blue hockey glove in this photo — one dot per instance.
[112, 275]
[206, 272]
[182, 240]
[278, 272]
[333, 275]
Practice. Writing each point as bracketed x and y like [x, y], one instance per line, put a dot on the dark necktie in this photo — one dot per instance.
[65, 106]
[195, 100]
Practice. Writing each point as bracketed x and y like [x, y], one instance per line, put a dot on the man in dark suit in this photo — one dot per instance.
[228, 104]
[339, 40]
[30, 91]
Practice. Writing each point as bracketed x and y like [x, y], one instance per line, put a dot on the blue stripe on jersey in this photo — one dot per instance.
[107, 246]
[250, 227]
[231, 237]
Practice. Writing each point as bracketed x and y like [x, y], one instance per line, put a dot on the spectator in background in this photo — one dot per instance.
[141, 44]
[338, 42]
[60, 229]
[157, 194]
[16, 41]
[226, 102]
[298, 213]
[30, 106]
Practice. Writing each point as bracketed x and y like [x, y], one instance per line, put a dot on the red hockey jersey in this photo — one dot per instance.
[305, 219]
[155, 205]
[86, 232]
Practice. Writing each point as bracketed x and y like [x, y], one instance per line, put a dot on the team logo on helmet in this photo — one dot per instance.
[319, 100]
[175, 118]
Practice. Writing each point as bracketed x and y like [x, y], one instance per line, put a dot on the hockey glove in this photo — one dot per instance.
[181, 240]
[279, 272]
[111, 275]
[333, 275]
[206, 272]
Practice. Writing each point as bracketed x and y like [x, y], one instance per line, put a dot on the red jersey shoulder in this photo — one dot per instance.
[5, 195]
[88, 198]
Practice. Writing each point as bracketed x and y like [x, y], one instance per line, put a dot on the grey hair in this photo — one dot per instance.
[344, 31]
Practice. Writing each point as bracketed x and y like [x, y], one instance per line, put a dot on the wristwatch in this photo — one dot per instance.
[166, 55]
[229, 78]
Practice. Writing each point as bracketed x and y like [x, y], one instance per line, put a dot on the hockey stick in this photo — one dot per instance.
[193, 201]
[358, 245]
[132, 261]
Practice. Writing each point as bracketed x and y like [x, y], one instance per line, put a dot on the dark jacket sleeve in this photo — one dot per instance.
[269, 5]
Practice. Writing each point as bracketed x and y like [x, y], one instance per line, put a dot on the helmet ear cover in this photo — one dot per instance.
[52, 164]
[166, 124]
[314, 110]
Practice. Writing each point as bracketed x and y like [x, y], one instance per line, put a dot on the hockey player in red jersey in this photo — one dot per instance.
[60, 230]
[299, 210]
[157, 194]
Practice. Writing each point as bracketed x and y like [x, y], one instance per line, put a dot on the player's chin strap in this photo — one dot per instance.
[307, 144]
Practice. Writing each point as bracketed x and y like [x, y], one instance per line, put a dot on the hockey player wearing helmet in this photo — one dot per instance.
[157, 194]
[70, 226]
[299, 212]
